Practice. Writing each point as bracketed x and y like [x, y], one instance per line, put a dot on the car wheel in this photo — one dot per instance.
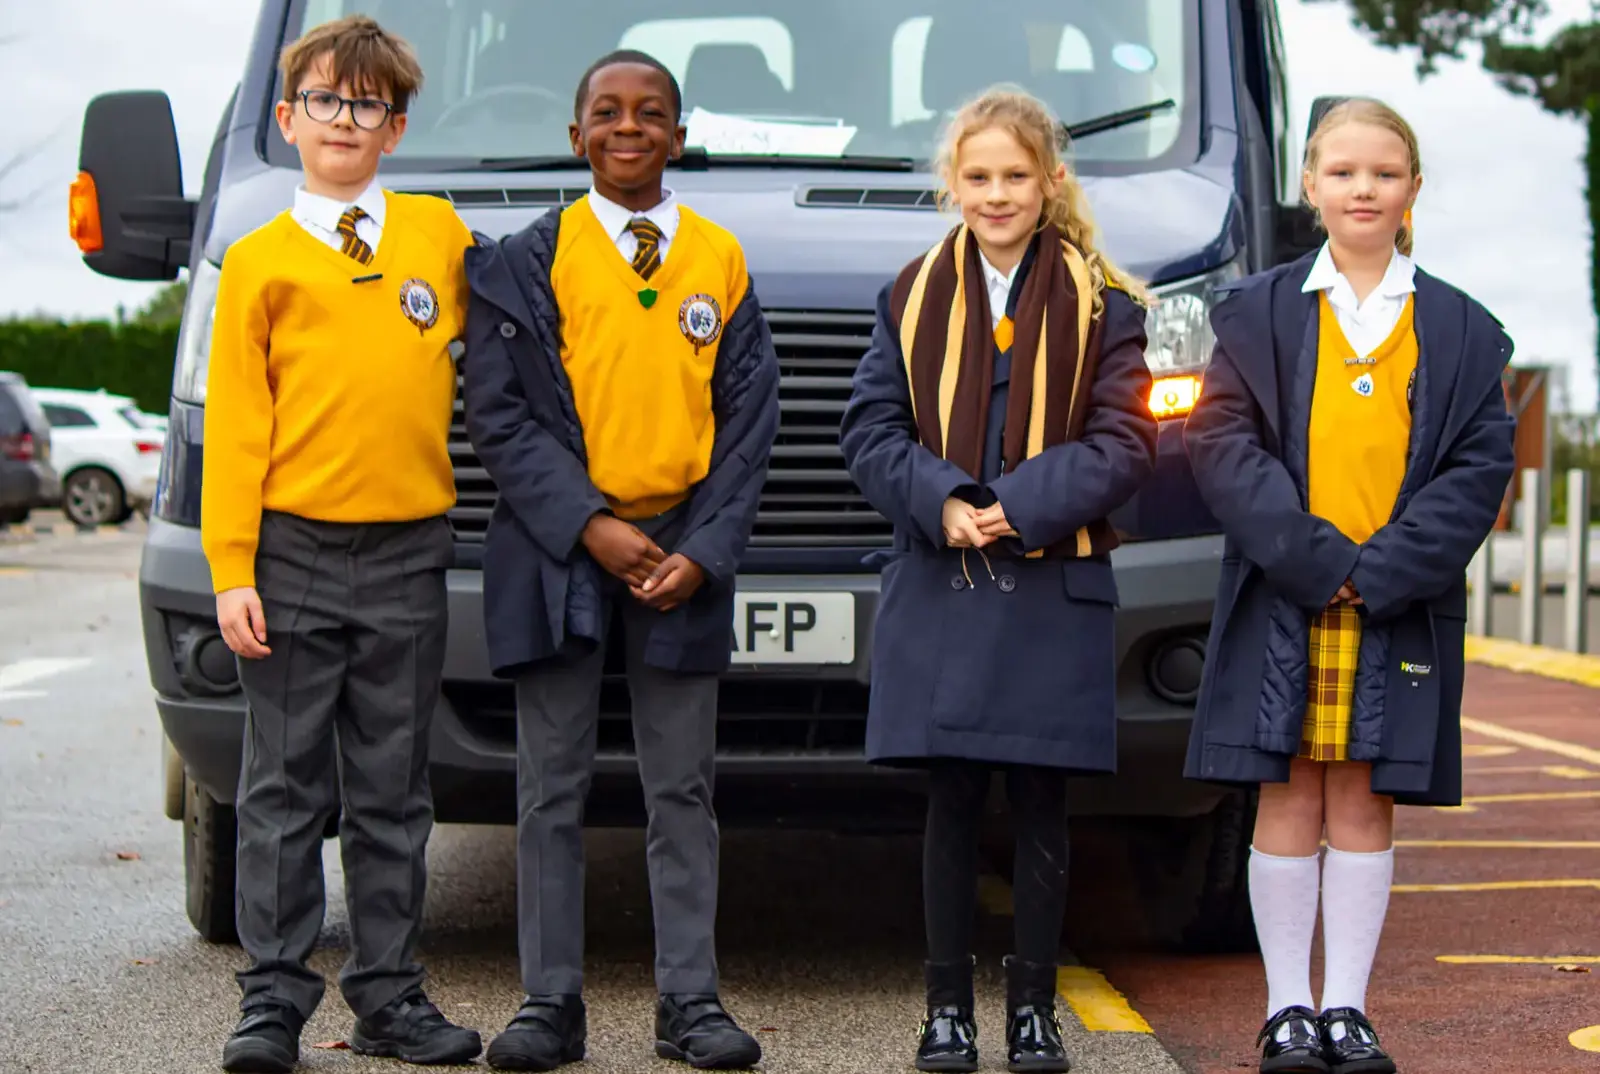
[1193, 877]
[210, 834]
[93, 497]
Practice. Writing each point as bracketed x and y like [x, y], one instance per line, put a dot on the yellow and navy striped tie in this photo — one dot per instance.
[353, 244]
[648, 257]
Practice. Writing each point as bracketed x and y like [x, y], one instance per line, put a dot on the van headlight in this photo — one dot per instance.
[194, 338]
[1180, 339]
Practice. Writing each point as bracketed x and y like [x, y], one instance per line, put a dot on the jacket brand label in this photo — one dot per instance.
[1415, 669]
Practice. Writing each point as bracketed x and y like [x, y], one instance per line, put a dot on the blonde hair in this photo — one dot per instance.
[1031, 123]
[1377, 114]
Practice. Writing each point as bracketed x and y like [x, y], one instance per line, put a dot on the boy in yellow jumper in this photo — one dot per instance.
[326, 483]
[621, 390]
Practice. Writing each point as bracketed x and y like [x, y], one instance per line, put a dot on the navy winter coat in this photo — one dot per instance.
[541, 588]
[1009, 661]
[1247, 441]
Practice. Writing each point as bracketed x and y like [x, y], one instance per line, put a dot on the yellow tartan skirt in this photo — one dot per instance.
[1335, 642]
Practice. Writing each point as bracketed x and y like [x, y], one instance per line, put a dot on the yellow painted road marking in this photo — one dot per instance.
[1559, 771]
[1486, 749]
[1570, 750]
[11, 572]
[1529, 796]
[1519, 960]
[1586, 1039]
[1101, 1008]
[1579, 668]
[1496, 885]
[1500, 844]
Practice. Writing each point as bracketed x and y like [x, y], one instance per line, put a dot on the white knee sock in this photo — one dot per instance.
[1355, 900]
[1283, 897]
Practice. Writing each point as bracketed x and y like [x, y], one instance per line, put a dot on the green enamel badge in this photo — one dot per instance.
[647, 298]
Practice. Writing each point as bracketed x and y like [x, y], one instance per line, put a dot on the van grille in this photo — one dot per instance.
[809, 500]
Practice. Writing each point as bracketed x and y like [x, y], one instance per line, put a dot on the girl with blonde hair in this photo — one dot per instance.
[1353, 440]
[999, 417]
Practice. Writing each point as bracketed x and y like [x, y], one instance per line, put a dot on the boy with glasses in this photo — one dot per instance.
[327, 479]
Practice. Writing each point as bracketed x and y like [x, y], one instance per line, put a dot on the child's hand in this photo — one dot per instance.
[243, 623]
[960, 521]
[674, 581]
[1347, 595]
[623, 550]
[992, 522]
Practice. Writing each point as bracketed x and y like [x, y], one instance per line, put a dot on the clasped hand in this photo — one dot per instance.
[656, 579]
[1347, 595]
[966, 526]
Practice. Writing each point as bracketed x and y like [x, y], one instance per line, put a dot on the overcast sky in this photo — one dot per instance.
[1501, 213]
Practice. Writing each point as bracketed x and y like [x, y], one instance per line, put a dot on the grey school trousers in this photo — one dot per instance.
[339, 715]
[674, 730]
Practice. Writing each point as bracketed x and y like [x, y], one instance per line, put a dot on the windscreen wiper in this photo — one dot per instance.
[1115, 120]
[549, 163]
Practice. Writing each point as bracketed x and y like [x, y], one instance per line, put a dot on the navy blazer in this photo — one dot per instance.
[541, 587]
[1247, 442]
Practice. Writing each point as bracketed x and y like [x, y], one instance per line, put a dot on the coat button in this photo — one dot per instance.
[1007, 583]
[958, 582]
[507, 329]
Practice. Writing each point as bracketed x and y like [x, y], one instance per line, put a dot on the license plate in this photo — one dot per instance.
[794, 628]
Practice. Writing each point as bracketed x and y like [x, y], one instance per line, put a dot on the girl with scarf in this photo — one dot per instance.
[1354, 442]
[1000, 415]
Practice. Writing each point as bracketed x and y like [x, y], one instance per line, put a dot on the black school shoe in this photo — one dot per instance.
[1351, 1045]
[696, 1030]
[948, 1036]
[1033, 1033]
[412, 1030]
[1300, 1051]
[547, 1032]
[266, 1041]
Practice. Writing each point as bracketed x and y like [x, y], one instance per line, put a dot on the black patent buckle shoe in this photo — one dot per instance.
[1033, 1039]
[413, 1030]
[546, 1032]
[1291, 1043]
[698, 1031]
[1351, 1045]
[948, 1040]
[266, 1041]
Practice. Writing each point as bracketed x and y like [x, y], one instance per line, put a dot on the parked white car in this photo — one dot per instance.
[107, 451]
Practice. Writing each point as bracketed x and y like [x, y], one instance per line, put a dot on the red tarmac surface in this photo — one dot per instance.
[1447, 1017]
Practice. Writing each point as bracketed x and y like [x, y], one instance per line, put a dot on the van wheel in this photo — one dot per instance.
[1193, 876]
[209, 841]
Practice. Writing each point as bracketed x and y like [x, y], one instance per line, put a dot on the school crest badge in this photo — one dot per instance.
[1363, 386]
[700, 320]
[419, 303]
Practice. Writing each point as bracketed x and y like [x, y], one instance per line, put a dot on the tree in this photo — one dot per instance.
[9, 202]
[1562, 73]
[165, 306]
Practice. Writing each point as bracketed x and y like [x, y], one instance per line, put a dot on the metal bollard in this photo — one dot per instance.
[1576, 599]
[1530, 513]
[1480, 577]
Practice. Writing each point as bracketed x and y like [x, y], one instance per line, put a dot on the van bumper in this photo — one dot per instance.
[789, 737]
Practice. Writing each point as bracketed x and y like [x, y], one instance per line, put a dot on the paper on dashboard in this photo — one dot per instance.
[719, 133]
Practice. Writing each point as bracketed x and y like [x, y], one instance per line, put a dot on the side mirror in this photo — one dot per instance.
[128, 213]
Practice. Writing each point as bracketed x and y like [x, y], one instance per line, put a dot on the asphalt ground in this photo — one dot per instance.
[1490, 959]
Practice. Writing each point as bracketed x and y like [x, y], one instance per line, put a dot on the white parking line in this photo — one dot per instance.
[24, 672]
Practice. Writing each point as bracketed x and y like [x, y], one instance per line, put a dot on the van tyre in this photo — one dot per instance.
[1193, 877]
[210, 835]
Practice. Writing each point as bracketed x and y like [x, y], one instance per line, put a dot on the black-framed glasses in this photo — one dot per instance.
[324, 106]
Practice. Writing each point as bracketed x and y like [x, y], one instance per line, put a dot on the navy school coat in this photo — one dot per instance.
[1247, 442]
[541, 588]
[1017, 668]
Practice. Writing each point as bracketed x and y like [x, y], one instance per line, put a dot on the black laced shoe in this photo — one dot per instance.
[1033, 1033]
[1292, 1041]
[266, 1041]
[412, 1030]
[948, 1037]
[1351, 1045]
[698, 1031]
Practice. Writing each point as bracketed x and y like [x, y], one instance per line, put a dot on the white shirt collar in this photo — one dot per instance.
[325, 211]
[998, 284]
[1399, 280]
[615, 219]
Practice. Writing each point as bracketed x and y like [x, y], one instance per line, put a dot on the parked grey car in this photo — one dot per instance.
[27, 478]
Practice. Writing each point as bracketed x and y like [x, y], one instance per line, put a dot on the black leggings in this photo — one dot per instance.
[957, 791]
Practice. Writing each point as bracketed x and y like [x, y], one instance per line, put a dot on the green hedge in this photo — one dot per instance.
[131, 359]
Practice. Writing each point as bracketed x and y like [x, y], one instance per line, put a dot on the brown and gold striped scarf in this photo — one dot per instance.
[940, 306]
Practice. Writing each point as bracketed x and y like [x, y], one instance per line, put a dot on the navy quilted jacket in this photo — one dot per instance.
[541, 587]
[1247, 442]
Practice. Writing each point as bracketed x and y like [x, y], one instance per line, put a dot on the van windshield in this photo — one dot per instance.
[813, 78]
